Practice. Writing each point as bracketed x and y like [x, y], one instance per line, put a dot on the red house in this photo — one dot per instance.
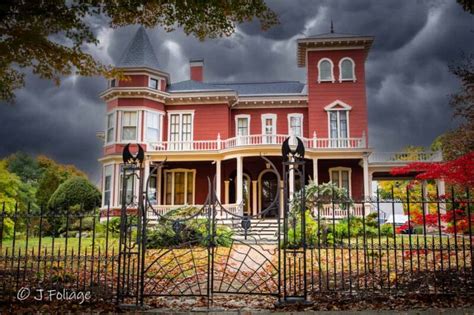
[207, 128]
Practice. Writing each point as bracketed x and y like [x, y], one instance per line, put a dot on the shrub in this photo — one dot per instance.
[75, 191]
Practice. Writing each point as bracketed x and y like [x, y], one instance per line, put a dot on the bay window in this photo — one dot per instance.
[129, 125]
[110, 133]
[153, 124]
[107, 185]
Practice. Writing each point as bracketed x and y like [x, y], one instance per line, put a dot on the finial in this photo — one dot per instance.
[332, 27]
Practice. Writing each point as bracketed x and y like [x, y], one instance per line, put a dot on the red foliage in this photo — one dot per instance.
[459, 171]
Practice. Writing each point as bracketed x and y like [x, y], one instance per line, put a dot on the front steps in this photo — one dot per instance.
[261, 231]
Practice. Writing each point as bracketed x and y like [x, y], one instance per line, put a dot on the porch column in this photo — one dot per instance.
[218, 180]
[239, 180]
[146, 173]
[426, 208]
[366, 176]
[158, 185]
[226, 192]
[315, 170]
[441, 191]
[254, 197]
[371, 174]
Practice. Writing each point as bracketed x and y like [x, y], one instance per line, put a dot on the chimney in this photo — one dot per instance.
[196, 69]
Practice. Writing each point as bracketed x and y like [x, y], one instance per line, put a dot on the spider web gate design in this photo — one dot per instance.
[206, 251]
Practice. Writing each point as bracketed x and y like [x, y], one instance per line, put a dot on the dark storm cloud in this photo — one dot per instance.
[407, 75]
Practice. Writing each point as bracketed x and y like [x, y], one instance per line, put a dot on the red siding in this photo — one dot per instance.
[134, 80]
[322, 94]
[357, 174]
[143, 102]
[282, 119]
[209, 120]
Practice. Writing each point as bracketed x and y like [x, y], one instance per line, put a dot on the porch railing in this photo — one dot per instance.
[403, 157]
[253, 140]
[328, 211]
[159, 210]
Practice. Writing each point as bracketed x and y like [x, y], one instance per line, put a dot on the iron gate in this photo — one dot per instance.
[208, 250]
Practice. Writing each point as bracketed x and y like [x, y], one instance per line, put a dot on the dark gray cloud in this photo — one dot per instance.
[408, 82]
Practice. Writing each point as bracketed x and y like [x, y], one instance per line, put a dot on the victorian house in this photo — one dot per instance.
[205, 129]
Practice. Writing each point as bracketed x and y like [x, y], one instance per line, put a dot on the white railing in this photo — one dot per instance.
[404, 157]
[328, 211]
[159, 210]
[256, 140]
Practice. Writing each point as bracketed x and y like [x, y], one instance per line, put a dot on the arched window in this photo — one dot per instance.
[346, 69]
[325, 68]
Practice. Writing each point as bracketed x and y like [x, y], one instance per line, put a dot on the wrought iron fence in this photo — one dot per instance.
[427, 248]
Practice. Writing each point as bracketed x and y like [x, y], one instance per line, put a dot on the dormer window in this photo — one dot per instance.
[346, 69]
[153, 83]
[325, 70]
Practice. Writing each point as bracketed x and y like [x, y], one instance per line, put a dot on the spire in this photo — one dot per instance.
[139, 52]
[332, 27]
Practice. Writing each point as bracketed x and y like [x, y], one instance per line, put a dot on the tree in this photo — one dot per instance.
[53, 175]
[25, 166]
[76, 191]
[48, 36]
[9, 186]
[459, 141]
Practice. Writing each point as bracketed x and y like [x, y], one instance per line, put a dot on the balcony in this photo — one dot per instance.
[256, 140]
[404, 157]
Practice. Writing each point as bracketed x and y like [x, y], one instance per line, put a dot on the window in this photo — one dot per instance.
[325, 68]
[130, 187]
[181, 131]
[242, 123]
[295, 125]
[110, 134]
[179, 186]
[113, 83]
[129, 126]
[152, 187]
[346, 70]
[338, 123]
[340, 176]
[269, 128]
[108, 171]
[153, 127]
[153, 83]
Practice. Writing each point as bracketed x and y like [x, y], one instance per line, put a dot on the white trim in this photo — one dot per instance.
[319, 70]
[158, 82]
[298, 115]
[353, 79]
[160, 126]
[137, 125]
[177, 170]
[338, 121]
[339, 169]
[236, 119]
[107, 140]
[180, 129]
[273, 117]
[333, 105]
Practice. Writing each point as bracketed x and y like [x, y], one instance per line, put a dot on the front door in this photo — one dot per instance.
[268, 193]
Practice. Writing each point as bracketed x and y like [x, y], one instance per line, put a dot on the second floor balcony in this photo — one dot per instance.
[256, 140]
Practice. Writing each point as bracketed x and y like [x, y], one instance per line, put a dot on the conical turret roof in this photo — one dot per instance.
[139, 52]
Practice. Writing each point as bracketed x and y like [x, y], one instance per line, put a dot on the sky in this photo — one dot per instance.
[408, 80]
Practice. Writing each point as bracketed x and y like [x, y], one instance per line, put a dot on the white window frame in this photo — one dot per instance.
[107, 128]
[158, 83]
[340, 169]
[338, 106]
[295, 115]
[242, 139]
[160, 126]
[181, 145]
[270, 139]
[178, 170]
[353, 79]
[110, 166]
[110, 83]
[137, 126]
[319, 70]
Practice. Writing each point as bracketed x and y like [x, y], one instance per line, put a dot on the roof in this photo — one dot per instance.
[242, 88]
[139, 52]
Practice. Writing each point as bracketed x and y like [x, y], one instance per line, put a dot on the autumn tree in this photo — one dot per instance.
[49, 36]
